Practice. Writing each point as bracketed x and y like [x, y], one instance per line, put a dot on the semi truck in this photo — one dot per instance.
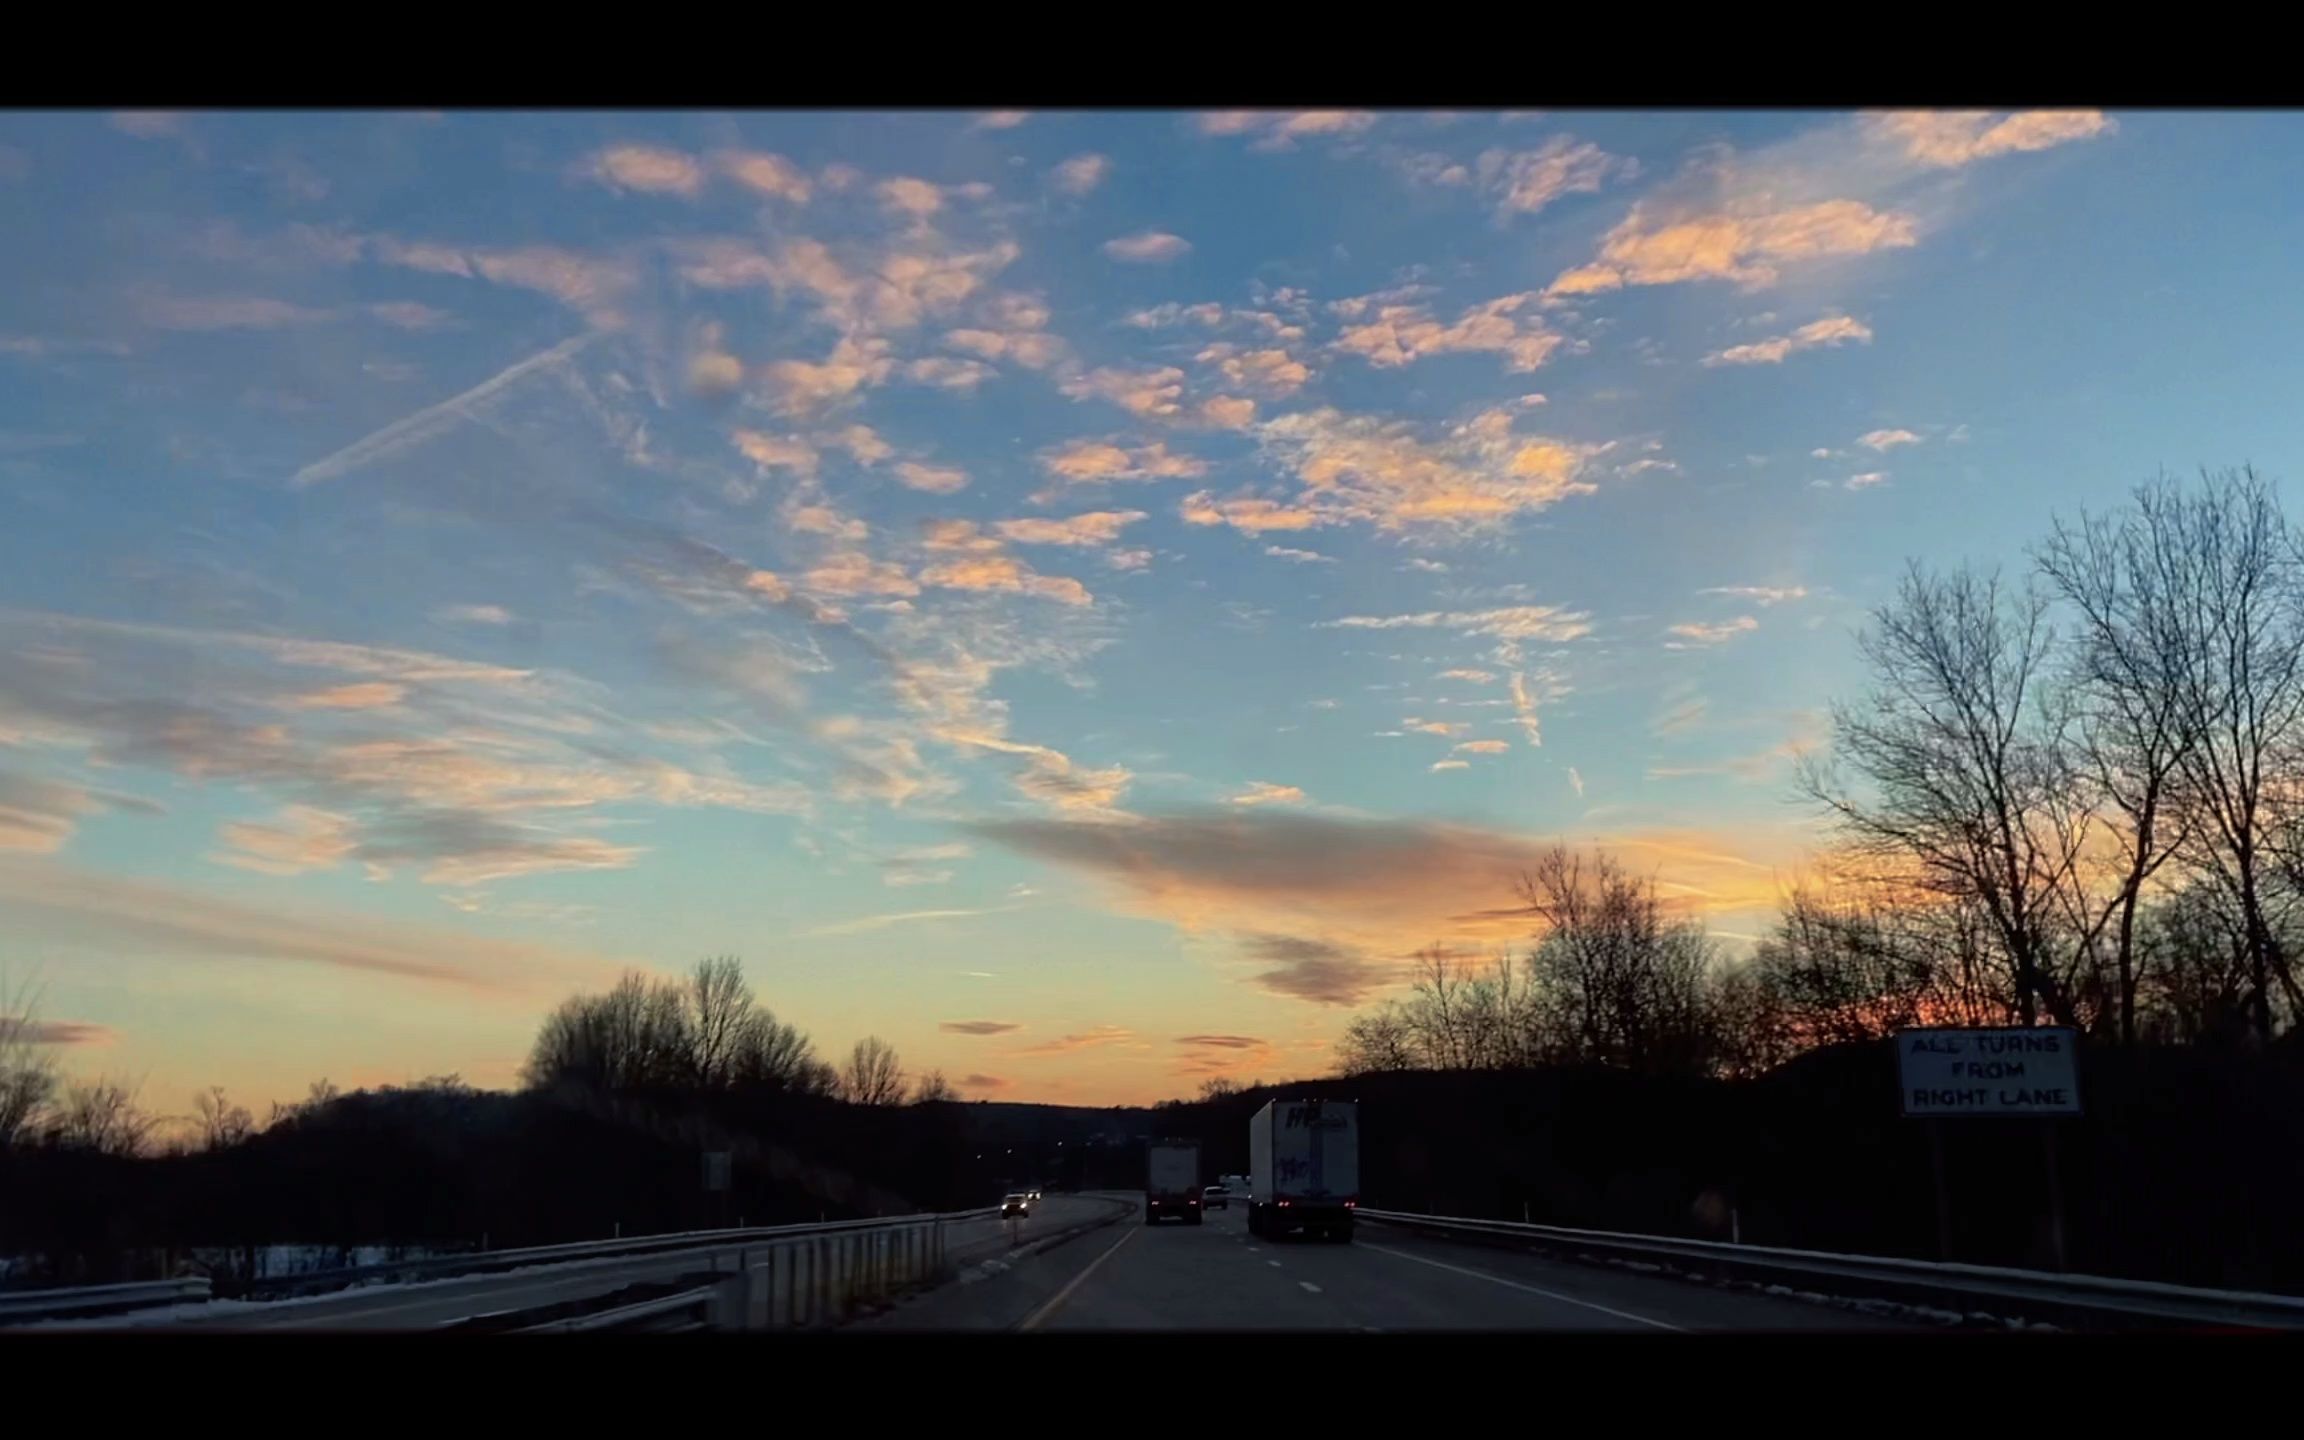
[1304, 1160]
[1172, 1181]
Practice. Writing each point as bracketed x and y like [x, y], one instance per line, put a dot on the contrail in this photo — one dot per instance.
[426, 423]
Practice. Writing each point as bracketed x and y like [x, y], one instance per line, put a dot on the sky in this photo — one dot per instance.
[1080, 596]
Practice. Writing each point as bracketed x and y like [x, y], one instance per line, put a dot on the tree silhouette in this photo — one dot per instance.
[872, 1075]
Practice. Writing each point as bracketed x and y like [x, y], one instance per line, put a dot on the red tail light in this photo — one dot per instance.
[1283, 1204]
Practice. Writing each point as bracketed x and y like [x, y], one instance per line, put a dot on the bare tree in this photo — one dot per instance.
[1964, 780]
[2136, 729]
[1219, 1087]
[220, 1123]
[2193, 964]
[28, 1075]
[1377, 1040]
[933, 1089]
[635, 1037]
[872, 1075]
[102, 1115]
[1614, 981]
[720, 1011]
[2227, 593]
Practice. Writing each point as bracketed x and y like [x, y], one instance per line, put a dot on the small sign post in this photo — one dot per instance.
[719, 1167]
[2002, 1072]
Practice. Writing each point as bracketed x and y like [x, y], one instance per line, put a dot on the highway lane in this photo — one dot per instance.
[1216, 1277]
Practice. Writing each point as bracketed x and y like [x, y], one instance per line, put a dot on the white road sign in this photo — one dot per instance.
[2016, 1070]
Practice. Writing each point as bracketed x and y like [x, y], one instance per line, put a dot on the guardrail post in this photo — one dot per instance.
[729, 1303]
[821, 1304]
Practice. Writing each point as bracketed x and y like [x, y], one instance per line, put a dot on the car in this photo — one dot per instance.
[1018, 1204]
[1215, 1197]
[1033, 1193]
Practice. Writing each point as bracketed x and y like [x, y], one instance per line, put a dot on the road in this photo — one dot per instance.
[1216, 1276]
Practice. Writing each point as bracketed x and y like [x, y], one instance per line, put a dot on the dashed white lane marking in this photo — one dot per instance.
[1309, 1287]
[1273, 1263]
[1516, 1285]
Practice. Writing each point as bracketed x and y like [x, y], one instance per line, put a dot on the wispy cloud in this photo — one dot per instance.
[1095, 1038]
[1886, 440]
[1081, 174]
[1763, 595]
[866, 923]
[1285, 129]
[1264, 792]
[1705, 632]
[978, 1027]
[1148, 247]
[435, 420]
[1830, 331]
[1951, 138]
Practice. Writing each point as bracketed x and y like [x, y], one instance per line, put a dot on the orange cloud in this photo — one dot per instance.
[764, 173]
[788, 452]
[1949, 138]
[1476, 475]
[852, 572]
[1086, 1040]
[1402, 334]
[1095, 527]
[931, 479]
[1264, 792]
[367, 695]
[1527, 181]
[54, 903]
[1831, 330]
[1102, 460]
[1341, 902]
[1270, 371]
[1004, 573]
[1744, 243]
[1153, 394]
[1699, 632]
[1282, 129]
[1245, 513]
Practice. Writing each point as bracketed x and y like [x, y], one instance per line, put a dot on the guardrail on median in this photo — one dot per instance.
[2080, 1301]
[90, 1301]
[795, 1274]
[482, 1262]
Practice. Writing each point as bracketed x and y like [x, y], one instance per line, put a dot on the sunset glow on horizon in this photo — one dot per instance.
[1081, 596]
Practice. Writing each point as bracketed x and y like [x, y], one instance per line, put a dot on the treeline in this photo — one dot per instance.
[2075, 794]
[625, 1092]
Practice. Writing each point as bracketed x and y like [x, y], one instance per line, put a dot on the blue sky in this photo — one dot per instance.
[1081, 596]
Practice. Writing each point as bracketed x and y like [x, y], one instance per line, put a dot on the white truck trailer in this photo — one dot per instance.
[1304, 1163]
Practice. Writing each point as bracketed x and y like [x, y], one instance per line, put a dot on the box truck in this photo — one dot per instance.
[1172, 1181]
[1304, 1163]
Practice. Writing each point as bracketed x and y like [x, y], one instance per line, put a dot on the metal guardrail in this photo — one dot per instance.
[86, 1301]
[481, 1262]
[804, 1274]
[688, 1310]
[2081, 1301]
